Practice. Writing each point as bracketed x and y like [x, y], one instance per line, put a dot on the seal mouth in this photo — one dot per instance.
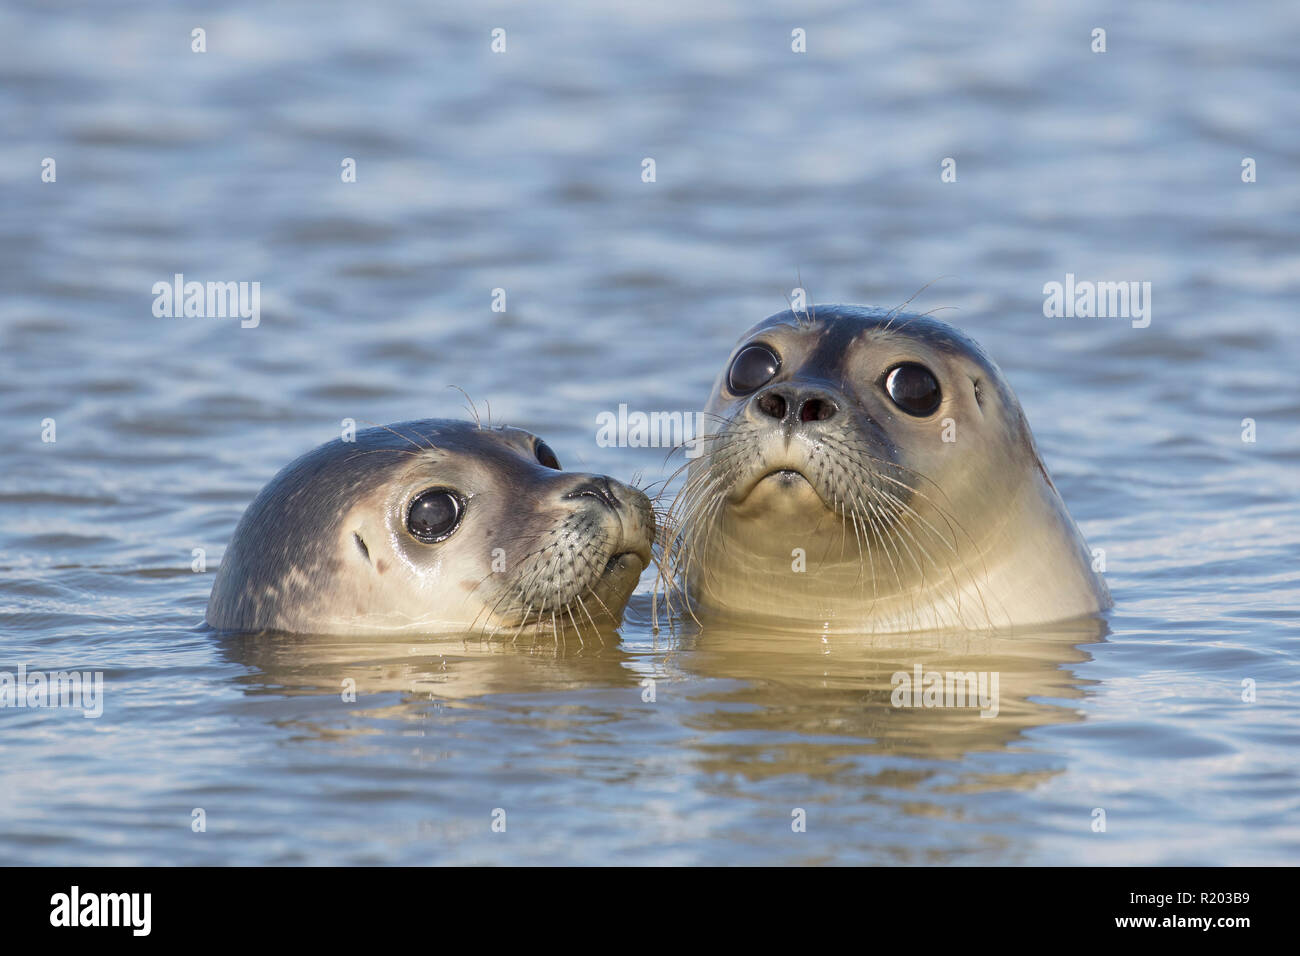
[595, 599]
[623, 561]
[784, 476]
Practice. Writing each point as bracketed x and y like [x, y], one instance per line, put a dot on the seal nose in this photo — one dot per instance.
[597, 487]
[789, 404]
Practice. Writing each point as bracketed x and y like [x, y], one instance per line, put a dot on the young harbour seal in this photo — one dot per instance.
[872, 470]
[433, 526]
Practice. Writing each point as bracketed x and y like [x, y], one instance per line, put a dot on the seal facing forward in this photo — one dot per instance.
[873, 470]
[433, 526]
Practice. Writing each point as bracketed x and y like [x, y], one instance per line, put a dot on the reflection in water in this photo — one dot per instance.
[755, 701]
[435, 668]
[804, 702]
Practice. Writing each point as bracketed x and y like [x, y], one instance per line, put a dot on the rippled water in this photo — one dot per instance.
[522, 171]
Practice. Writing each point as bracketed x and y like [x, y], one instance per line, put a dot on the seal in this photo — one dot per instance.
[873, 470]
[433, 526]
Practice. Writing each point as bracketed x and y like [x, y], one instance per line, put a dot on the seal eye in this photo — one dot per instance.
[752, 369]
[546, 456]
[913, 388]
[434, 515]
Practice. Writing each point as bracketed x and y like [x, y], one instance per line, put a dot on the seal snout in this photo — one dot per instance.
[631, 517]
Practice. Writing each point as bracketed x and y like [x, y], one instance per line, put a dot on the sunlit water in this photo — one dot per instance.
[522, 171]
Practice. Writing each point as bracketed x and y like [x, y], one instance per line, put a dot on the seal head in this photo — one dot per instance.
[873, 470]
[433, 526]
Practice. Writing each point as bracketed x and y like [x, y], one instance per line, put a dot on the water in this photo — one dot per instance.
[522, 171]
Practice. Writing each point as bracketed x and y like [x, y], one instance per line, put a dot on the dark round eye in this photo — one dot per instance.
[752, 369]
[546, 456]
[913, 388]
[434, 514]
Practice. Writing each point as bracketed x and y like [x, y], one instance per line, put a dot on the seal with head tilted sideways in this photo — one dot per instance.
[433, 526]
[873, 470]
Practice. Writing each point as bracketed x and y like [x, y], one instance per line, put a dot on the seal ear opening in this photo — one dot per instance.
[361, 546]
[979, 393]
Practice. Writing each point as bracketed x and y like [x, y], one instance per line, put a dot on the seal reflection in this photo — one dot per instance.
[746, 698]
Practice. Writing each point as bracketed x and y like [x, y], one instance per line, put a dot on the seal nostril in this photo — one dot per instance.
[816, 410]
[598, 488]
[772, 404]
